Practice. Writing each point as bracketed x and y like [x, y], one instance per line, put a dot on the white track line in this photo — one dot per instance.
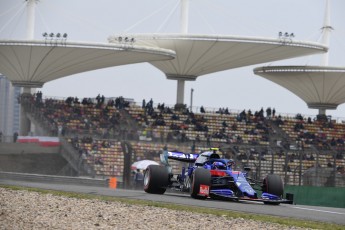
[318, 210]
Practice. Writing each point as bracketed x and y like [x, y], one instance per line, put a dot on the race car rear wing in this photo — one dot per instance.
[179, 156]
[184, 157]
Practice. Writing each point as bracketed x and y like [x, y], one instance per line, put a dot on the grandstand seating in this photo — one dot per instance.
[152, 129]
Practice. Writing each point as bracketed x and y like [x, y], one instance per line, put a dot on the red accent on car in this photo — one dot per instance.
[204, 190]
[217, 173]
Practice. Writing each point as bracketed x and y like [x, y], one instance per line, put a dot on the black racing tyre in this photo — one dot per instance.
[273, 184]
[201, 176]
[156, 179]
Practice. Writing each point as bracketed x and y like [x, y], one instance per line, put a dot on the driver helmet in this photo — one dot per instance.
[219, 165]
[231, 163]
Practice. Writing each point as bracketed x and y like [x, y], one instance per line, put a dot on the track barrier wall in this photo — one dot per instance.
[317, 196]
[303, 195]
[54, 179]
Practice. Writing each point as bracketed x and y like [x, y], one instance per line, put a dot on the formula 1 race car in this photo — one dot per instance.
[209, 176]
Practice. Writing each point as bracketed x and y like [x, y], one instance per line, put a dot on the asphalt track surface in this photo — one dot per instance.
[314, 213]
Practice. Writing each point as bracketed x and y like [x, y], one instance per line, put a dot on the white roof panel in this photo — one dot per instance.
[198, 55]
[321, 87]
[32, 63]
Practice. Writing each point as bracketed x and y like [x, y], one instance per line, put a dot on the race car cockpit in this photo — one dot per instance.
[206, 157]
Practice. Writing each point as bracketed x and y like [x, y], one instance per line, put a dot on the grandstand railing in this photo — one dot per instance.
[196, 109]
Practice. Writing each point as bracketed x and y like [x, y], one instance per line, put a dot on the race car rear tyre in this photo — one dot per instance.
[273, 184]
[201, 179]
[156, 179]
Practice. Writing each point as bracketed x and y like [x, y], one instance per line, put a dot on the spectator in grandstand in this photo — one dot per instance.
[221, 111]
[193, 147]
[0, 136]
[242, 116]
[150, 103]
[184, 126]
[268, 112]
[15, 137]
[208, 140]
[340, 155]
[242, 156]
[309, 120]
[76, 100]
[340, 141]
[340, 170]
[329, 164]
[105, 144]
[254, 141]
[38, 97]
[99, 161]
[310, 157]
[273, 112]
[333, 142]
[139, 179]
[279, 121]
[143, 105]
[202, 110]
[234, 127]
[98, 98]
[174, 126]
[187, 121]
[175, 117]
[299, 117]
[197, 138]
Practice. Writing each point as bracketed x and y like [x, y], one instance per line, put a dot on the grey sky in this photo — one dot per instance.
[236, 89]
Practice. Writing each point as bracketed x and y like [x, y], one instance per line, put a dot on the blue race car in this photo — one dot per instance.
[209, 176]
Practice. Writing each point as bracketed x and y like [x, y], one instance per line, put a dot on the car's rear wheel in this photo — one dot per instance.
[156, 179]
[273, 184]
[201, 183]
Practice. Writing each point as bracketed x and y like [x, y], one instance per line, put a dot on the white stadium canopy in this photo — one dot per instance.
[197, 55]
[31, 63]
[321, 87]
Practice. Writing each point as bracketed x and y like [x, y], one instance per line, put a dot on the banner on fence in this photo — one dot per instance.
[41, 140]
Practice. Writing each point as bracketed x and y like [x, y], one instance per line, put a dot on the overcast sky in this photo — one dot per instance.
[237, 89]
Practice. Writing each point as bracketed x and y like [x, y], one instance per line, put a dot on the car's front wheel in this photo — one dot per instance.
[201, 183]
[273, 184]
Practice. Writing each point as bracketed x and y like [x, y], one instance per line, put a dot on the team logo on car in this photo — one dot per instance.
[204, 190]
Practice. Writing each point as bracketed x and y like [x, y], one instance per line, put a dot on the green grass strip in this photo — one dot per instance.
[291, 222]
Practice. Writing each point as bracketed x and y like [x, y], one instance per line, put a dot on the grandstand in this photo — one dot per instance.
[102, 138]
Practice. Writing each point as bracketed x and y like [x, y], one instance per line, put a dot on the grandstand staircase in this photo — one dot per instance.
[66, 151]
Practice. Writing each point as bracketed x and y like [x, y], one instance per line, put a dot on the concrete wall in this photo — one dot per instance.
[20, 148]
[33, 158]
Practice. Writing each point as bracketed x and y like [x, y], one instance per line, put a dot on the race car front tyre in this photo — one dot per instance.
[201, 183]
[273, 184]
[156, 179]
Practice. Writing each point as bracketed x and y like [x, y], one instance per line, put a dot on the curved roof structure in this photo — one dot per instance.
[31, 63]
[321, 87]
[198, 55]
